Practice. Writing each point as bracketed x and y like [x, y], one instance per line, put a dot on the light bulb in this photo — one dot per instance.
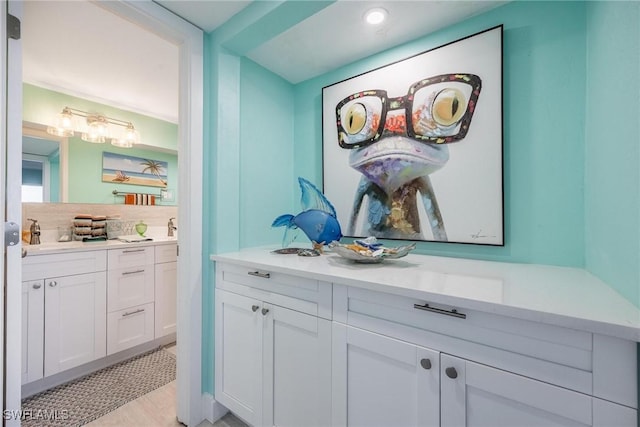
[375, 16]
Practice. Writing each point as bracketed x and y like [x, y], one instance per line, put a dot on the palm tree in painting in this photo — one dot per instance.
[155, 168]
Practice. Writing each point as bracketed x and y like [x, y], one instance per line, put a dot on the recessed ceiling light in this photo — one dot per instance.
[375, 16]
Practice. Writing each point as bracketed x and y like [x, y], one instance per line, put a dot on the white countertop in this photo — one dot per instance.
[562, 296]
[74, 246]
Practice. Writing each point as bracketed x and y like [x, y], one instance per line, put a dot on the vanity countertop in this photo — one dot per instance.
[75, 246]
[563, 296]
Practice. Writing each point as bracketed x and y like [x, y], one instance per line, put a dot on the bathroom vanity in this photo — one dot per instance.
[88, 305]
[421, 340]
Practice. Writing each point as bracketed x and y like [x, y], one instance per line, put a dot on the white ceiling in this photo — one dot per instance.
[76, 47]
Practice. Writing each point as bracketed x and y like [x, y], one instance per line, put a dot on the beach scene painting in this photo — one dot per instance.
[118, 168]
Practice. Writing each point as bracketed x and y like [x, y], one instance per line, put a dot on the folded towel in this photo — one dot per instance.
[134, 238]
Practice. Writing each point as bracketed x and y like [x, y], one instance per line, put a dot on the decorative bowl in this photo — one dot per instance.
[369, 251]
[141, 227]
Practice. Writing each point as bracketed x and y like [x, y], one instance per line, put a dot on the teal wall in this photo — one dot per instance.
[554, 61]
[40, 106]
[249, 143]
[85, 173]
[612, 195]
[54, 177]
[266, 136]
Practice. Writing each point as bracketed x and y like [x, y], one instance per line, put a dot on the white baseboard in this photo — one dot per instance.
[211, 409]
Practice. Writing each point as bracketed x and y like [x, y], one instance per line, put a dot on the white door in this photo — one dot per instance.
[165, 302]
[296, 367]
[10, 205]
[238, 360]
[32, 330]
[381, 381]
[477, 395]
[75, 313]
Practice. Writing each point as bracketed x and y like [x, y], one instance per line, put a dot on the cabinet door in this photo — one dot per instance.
[238, 358]
[75, 321]
[32, 330]
[128, 287]
[165, 299]
[380, 381]
[296, 367]
[477, 395]
[129, 327]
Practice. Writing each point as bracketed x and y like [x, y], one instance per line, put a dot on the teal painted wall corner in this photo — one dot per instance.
[612, 176]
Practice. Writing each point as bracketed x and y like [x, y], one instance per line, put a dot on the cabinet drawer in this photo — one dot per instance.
[55, 265]
[294, 292]
[131, 257]
[127, 287]
[553, 354]
[166, 253]
[129, 327]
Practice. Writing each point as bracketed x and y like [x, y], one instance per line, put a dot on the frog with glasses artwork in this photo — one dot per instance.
[396, 143]
[412, 150]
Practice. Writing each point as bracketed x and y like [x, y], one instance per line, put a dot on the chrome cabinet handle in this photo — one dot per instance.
[254, 308]
[451, 372]
[425, 363]
[37, 286]
[132, 272]
[140, 310]
[453, 311]
[128, 251]
[53, 284]
[258, 274]
[265, 311]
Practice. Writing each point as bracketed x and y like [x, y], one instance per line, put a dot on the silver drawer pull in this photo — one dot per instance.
[128, 251]
[258, 274]
[140, 310]
[53, 284]
[36, 286]
[453, 311]
[132, 272]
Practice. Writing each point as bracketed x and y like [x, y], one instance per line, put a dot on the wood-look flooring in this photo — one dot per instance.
[155, 409]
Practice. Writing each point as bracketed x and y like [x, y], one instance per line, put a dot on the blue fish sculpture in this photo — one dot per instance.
[317, 219]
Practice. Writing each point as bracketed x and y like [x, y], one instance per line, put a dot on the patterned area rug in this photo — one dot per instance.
[83, 400]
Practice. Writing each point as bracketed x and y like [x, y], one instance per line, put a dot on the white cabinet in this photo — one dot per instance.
[32, 330]
[380, 381]
[238, 335]
[484, 370]
[75, 321]
[400, 360]
[130, 297]
[273, 363]
[166, 283]
[64, 312]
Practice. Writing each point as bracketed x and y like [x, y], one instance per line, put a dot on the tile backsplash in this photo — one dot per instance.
[50, 216]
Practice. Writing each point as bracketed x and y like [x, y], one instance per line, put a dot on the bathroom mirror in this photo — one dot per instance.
[69, 170]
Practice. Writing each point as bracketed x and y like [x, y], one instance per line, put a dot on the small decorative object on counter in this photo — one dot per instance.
[369, 250]
[141, 227]
[317, 219]
[34, 231]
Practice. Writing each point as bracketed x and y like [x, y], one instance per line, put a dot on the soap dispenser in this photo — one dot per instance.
[35, 232]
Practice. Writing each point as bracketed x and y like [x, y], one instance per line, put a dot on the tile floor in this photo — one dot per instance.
[155, 409]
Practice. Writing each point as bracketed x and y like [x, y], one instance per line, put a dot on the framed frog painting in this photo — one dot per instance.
[413, 150]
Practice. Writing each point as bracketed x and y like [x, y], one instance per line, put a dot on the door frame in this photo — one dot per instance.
[190, 42]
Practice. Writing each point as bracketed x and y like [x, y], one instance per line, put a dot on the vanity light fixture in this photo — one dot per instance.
[375, 16]
[97, 129]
